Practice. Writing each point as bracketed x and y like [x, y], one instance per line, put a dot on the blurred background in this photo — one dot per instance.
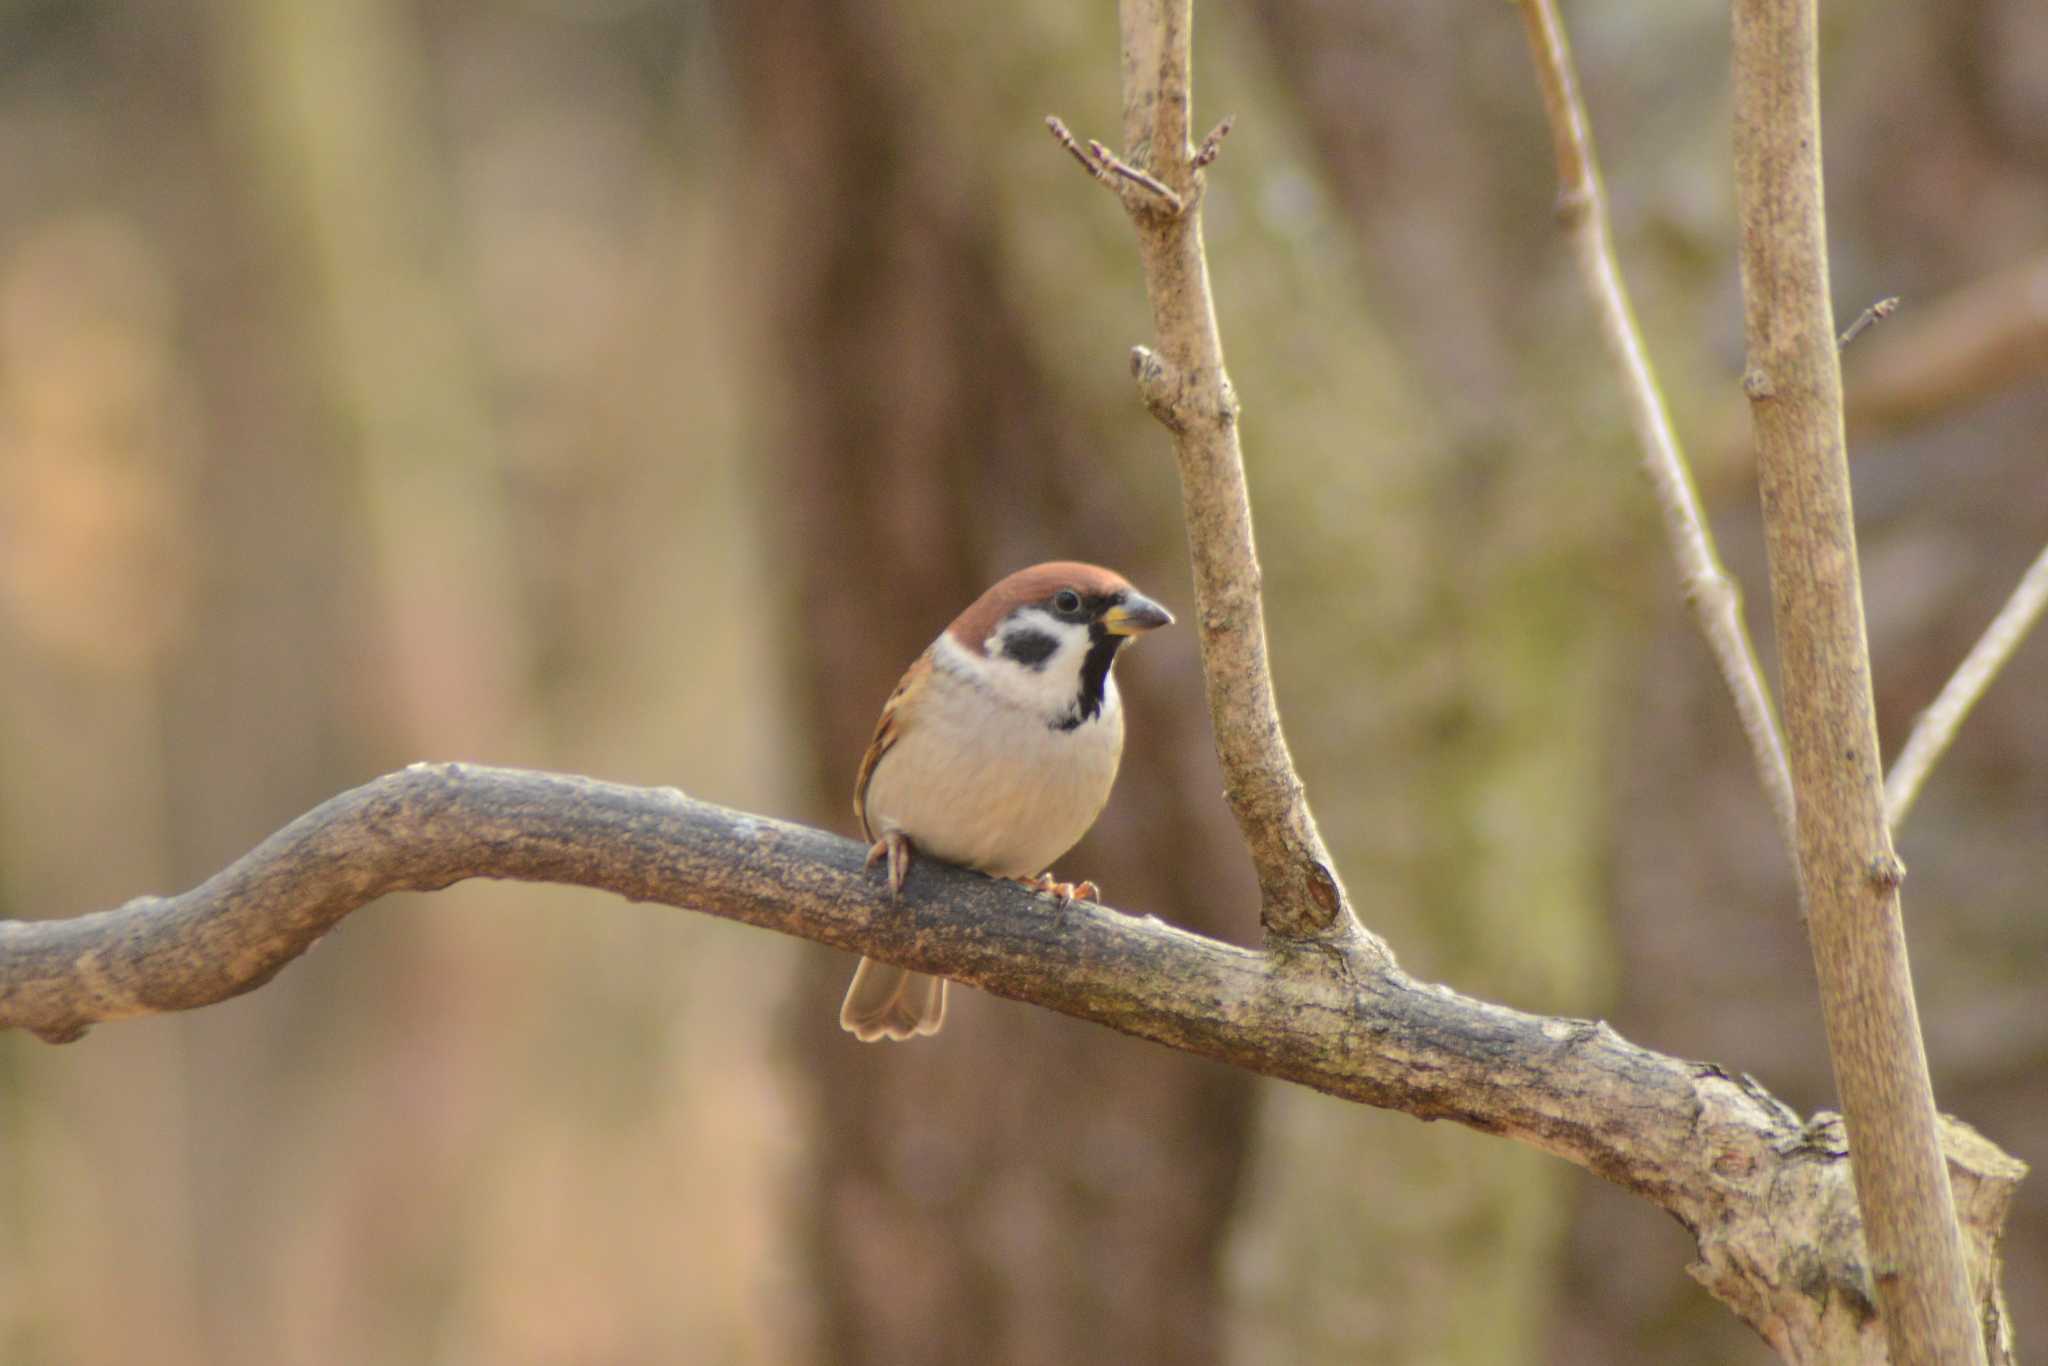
[634, 388]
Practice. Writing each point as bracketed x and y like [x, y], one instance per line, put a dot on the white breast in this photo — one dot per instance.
[986, 781]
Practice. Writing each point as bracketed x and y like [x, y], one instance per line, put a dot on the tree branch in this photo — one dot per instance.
[1849, 875]
[1710, 591]
[1937, 726]
[1183, 383]
[1768, 1197]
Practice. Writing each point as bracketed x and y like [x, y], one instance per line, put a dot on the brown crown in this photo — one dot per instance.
[1035, 584]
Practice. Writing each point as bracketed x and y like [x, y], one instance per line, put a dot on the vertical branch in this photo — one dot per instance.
[1848, 874]
[1185, 386]
[1710, 591]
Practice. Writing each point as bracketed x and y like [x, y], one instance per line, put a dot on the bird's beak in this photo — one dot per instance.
[1135, 615]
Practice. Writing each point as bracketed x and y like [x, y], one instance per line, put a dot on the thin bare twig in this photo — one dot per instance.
[1066, 139]
[1936, 726]
[1212, 146]
[1876, 313]
[1107, 167]
[1968, 345]
[1144, 180]
[1710, 591]
[1964, 347]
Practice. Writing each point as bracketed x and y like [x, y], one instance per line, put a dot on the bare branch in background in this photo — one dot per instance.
[1848, 873]
[1184, 384]
[1710, 591]
[1936, 726]
[1768, 1197]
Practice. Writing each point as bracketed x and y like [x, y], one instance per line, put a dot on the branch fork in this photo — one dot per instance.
[1109, 168]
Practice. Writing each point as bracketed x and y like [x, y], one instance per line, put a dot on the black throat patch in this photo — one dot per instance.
[1102, 648]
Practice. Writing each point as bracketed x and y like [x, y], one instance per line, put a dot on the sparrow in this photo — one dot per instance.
[995, 752]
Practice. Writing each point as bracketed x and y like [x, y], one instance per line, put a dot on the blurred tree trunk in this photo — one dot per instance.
[360, 461]
[99, 514]
[332, 103]
[1023, 1187]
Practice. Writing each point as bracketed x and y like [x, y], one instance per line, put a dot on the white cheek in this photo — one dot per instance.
[1048, 690]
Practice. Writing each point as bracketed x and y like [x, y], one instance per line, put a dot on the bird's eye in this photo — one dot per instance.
[1066, 602]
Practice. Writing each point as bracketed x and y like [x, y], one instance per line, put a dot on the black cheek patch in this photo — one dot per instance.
[1029, 648]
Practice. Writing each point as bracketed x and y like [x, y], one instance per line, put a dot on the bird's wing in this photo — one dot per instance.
[888, 730]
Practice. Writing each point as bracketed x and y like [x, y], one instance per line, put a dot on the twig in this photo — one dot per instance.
[1067, 140]
[1718, 1154]
[1710, 591]
[1969, 345]
[1184, 384]
[1961, 348]
[1936, 726]
[1142, 179]
[1107, 167]
[1212, 146]
[1876, 313]
[1848, 873]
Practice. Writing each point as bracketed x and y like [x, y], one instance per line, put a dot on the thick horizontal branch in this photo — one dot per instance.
[1769, 1197]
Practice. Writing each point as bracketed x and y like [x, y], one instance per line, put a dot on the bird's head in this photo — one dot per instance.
[1048, 635]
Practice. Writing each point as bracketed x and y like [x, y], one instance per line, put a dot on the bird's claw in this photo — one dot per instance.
[1066, 893]
[895, 846]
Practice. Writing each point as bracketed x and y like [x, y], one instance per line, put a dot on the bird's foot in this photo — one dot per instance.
[895, 846]
[1066, 893]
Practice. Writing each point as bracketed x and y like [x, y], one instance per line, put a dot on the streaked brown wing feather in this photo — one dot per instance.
[888, 730]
